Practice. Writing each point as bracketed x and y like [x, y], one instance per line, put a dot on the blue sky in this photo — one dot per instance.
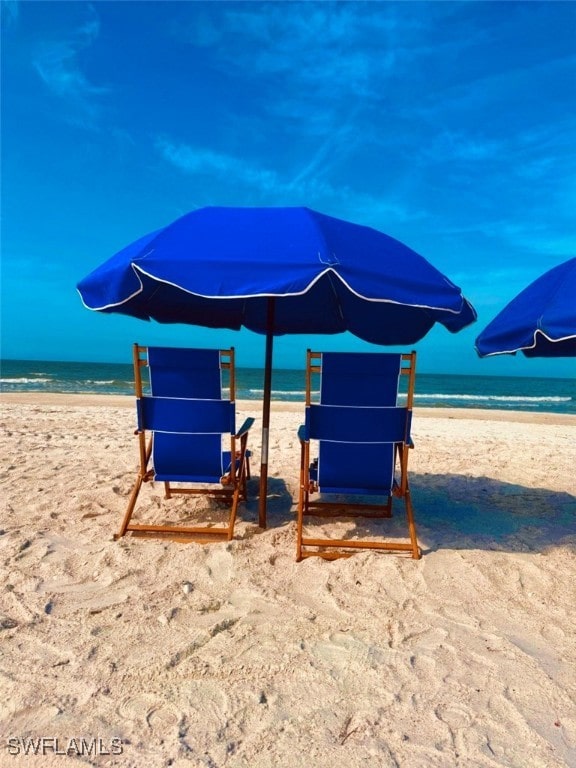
[449, 125]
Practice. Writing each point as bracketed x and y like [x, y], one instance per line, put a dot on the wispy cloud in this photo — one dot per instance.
[461, 146]
[498, 92]
[328, 73]
[384, 120]
[315, 68]
[205, 161]
[328, 50]
[256, 183]
[58, 65]
[534, 238]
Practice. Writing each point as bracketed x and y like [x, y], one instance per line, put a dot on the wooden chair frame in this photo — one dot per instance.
[234, 483]
[331, 549]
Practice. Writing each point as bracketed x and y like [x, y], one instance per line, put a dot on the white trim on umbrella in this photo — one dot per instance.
[138, 268]
[528, 346]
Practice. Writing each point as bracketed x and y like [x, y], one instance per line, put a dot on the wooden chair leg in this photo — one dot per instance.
[303, 496]
[302, 508]
[411, 525]
[231, 524]
[299, 535]
[244, 479]
[131, 505]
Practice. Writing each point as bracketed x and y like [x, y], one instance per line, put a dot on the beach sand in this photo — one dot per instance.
[156, 653]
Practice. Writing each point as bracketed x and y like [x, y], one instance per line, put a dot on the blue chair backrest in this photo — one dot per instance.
[185, 372]
[360, 378]
[187, 414]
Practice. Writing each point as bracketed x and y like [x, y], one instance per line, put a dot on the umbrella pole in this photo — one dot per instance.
[266, 414]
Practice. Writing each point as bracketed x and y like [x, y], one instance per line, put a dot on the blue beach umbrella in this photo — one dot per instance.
[540, 321]
[278, 271]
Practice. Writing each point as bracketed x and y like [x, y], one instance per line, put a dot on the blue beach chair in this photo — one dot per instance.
[363, 440]
[187, 419]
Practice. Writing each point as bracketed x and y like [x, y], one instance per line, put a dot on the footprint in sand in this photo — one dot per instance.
[220, 565]
[454, 716]
[147, 710]
[347, 655]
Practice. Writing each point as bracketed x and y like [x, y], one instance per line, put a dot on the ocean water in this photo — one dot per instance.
[432, 390]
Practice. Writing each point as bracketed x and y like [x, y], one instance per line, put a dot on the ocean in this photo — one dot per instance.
[432, 390]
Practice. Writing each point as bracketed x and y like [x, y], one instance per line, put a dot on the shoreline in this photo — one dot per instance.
[65, 399]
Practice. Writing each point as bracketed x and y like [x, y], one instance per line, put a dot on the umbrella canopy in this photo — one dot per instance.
[278, 271]
[540, 321]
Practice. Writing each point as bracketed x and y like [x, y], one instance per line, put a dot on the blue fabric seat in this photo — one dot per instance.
[192, 433]
[363, 437]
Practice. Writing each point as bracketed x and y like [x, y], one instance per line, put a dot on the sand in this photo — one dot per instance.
[156, 653]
